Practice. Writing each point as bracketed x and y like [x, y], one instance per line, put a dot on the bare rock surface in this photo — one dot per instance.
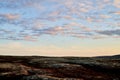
[59, 68]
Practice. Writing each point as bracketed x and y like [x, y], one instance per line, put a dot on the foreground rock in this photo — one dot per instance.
[60, 68]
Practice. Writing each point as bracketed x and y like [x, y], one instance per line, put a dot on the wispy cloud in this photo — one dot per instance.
[29, 19]
[116, 3]
[11, 16]
[110, 32]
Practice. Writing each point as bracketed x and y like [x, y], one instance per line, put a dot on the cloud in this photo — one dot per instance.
[38, 24]
[9, 18]
[29, 38]
[117, 12]
[105, 16]
[116, 3]
[29, 19]
[52, 31]
[80, 26]
[110, 32]
[12, 16]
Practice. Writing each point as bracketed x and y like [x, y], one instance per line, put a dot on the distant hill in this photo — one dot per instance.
[110, 57]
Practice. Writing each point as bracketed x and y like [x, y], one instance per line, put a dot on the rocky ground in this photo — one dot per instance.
[59, 68]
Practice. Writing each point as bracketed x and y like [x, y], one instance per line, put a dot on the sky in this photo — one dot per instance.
[60, 27]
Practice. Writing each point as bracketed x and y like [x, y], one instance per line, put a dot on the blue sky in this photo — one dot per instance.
[60, 28]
